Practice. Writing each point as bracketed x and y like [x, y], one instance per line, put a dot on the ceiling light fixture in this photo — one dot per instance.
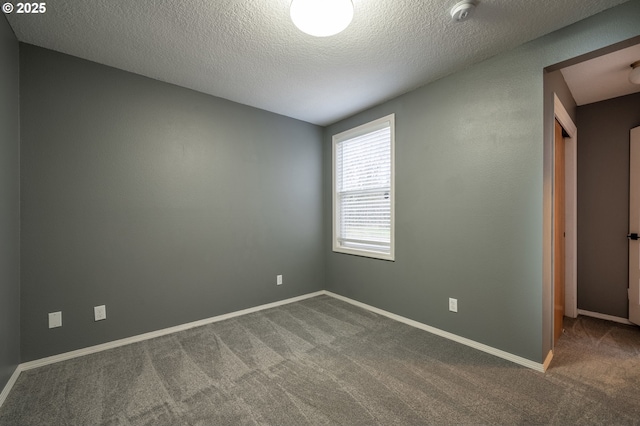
[634, 75]
[321, 18]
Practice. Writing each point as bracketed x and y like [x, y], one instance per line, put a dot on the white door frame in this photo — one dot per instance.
[634, 201]
[571, 208]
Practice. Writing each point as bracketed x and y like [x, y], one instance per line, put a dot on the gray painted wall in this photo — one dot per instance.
[603, 203]
[473, 196]
[165, 204]
[9, 204]
[169, 206]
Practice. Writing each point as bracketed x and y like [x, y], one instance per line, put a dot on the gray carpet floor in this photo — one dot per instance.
[324, 362]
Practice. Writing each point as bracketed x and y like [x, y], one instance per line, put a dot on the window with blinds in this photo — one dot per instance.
[363, 190]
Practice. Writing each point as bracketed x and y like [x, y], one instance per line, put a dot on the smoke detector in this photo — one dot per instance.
[462, 10]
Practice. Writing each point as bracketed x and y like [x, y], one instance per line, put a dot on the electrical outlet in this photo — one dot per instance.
[100, 312]
[453, 305]
[55, 319]
[279, 280]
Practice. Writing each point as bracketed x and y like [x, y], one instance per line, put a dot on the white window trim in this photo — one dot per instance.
[372, 126]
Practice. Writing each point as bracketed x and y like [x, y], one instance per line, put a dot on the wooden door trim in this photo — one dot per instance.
[571, 207]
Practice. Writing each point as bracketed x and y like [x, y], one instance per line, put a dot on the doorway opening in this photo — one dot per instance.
[566, 104]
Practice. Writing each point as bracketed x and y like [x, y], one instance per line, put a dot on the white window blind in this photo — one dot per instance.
[363, 185]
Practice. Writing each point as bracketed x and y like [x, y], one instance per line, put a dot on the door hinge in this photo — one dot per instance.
[633, 236]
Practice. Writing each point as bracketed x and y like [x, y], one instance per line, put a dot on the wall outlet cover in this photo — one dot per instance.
[55, 319]
[100, 312]
[453, 305]
[279, 280]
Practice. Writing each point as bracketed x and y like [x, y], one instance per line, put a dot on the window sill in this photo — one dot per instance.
[365, 253]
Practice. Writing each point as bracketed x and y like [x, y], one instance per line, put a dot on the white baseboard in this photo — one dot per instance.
[141, 337]
[9, 385]
[146, 336]
[604, 317]
[468, 342]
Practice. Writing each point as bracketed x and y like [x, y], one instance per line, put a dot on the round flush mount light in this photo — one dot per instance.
[321, 18]
[462, 10]
[634, 75]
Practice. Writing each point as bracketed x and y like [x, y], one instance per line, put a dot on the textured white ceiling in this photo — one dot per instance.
[604, 77]
[248, 51]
